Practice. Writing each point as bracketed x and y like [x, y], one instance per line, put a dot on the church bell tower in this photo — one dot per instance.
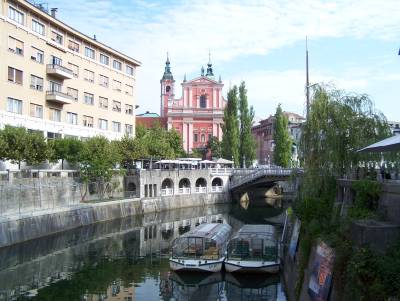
[167, 88]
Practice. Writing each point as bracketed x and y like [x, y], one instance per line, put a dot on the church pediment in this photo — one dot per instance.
[202, 80]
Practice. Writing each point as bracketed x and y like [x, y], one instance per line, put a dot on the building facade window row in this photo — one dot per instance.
[55, 114]
[17, 46]
[73, 43]
[37, 83]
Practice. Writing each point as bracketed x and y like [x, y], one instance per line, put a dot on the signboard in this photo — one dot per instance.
[294, 239]
[321, 273]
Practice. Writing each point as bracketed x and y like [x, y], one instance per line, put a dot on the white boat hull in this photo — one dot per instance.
[251, 266]
[196, 265]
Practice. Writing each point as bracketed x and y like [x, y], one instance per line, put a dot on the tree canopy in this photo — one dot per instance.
[283, 142]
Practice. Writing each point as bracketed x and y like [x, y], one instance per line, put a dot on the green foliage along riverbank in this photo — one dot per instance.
[338, 125]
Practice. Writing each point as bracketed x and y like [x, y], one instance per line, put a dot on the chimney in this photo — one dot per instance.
[54, 12]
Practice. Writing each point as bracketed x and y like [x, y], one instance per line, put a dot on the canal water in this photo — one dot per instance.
[127, 260]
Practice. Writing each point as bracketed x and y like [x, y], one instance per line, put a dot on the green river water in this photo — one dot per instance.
[127, 260]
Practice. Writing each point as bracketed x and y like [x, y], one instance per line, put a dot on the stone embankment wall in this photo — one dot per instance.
[17, 230]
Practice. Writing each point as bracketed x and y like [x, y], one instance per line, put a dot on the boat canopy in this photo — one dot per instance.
[255, 243]
[206, 241]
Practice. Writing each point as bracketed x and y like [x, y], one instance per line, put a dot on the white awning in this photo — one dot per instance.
[386, 145]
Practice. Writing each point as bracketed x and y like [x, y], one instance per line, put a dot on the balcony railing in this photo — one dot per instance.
[184, 190]
[60, 71]
[216, 188]
[167, 191]
[201, 190]
[58, 96]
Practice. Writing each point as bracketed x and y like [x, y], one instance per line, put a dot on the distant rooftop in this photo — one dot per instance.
[148, 114]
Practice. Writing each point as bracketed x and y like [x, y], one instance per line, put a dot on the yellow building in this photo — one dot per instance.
[59, 81]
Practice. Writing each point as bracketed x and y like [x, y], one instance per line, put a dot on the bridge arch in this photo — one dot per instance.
[217, 182]
[184, 183]
[201, 182]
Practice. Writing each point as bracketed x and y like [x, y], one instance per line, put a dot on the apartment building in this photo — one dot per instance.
[59, 81]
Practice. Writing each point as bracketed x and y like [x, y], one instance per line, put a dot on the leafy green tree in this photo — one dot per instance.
[65, 149]
[15, 144]
[98, 157]
[131, 149]
[230, 128]
[215, 146]
[175, 141]
[283, 142]
[247, 143]
[36, 149]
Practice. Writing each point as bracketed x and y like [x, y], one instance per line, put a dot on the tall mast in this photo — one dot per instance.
[307, 82]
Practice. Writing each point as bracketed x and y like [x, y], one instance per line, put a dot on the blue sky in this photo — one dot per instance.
[352, 44]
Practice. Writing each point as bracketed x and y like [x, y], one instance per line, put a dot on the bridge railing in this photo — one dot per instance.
[240, 177]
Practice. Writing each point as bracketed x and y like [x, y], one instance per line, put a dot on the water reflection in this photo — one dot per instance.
[117, 260]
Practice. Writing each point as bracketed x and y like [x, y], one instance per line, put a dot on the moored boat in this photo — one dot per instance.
[201, 249]
[253, 249]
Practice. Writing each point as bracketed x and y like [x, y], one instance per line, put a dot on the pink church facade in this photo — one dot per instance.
[198, 114]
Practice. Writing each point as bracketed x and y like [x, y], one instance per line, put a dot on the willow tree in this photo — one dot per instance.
[337, 126]
[230, 128]
[282, 139]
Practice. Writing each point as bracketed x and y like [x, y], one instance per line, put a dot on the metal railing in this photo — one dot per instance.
[59, 93]
[241, 177]
[61, 68]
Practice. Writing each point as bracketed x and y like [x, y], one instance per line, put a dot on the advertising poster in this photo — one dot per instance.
[294, 239]
[321, 273]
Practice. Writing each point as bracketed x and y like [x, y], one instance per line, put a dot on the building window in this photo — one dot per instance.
[15, 45]
[89, 52]
[73, 93]
[55, 114]
[117, 85]
[116, 127]
[38, 27]
[36, 110]
[196, 137]
[74, 46]
[15, 75]
[129, 90]
[129, 109]
[56, 37]
[16, 15]
[103, 124]
[87, 121]
[117, 65]
[130, 70]
[203, 138]
[54, 60]
[88, 75]
[36, 83]
[74, 68]
[129, 129]
[116, 106]
[37, 55]
[104, 59]
[203, 101]
[52, 136]
[103, 102]
[88, 98]
[209, 137]
[72, 118]
[103, 80]
[55, 86]
[14, 105]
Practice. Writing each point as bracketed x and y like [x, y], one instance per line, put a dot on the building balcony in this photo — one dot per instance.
[59, 97]
[59, 71]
